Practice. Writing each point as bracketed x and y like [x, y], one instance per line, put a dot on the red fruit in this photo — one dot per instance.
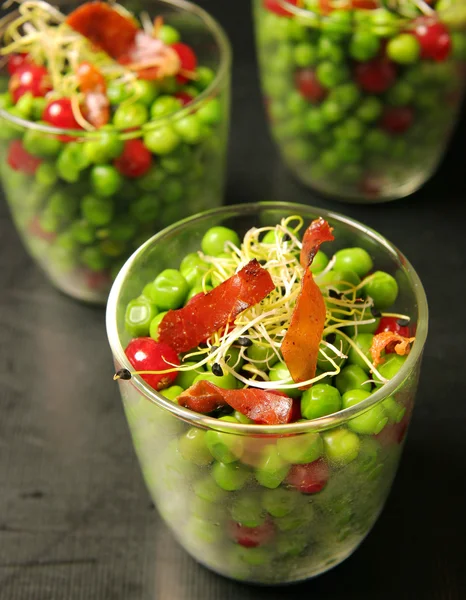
[187, 58]
[309, 478]
[276, 7]
[15, 62]
[251, 537]
[135, 160]
[36, 230]
[60, 114]
[145, 354]
[98, 280]
[397, 119]
[375, 76]
[29, 78]
[184, 98]
[309, 86]
[20, 160]
[391, 324]
[394, 433]
[434, 38]
[371, 185]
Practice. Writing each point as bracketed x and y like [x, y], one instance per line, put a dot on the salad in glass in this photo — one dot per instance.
[113, 124]
[268, 378]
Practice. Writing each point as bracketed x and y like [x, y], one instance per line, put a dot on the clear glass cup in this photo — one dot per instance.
[304, 534]
[354, 109]
[47, 179]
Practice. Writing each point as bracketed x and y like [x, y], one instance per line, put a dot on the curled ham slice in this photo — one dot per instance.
[388, 339]
[266, 407]
[151, 58]
[300, 346]
[191, 325]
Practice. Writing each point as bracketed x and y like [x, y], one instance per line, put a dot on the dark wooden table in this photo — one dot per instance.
[76, 522]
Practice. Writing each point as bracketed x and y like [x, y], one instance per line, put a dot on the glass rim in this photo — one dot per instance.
[221, 74]
[319, 424]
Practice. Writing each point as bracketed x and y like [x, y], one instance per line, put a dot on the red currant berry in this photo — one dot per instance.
[391, 324]
[309, 86]
[29, 78]
[59, 113]
[309, 478]
[135, 160]
[187, 58]
[397, 119]
[20, 160]
[375, 76]
[251, 537]
[145, 354]
[15, 62]
[183, 97]
[434, 39]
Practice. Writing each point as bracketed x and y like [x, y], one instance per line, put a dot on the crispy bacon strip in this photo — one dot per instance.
[191, 325]
[397, 342]
[96, 104]
[105, 27]
[261, 406]
[300, 346]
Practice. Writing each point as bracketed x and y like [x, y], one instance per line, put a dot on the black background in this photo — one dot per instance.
[75, 519]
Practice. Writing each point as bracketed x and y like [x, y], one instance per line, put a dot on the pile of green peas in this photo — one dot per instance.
[281, 508]
[79, 214]
[355, 106]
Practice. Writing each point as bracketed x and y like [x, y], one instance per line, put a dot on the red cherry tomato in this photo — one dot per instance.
[20, 160]
[29, 78]
[309, 86]
[391, 324]
[309, 478]
[145, 354]
[135, 159]
[433, 37]
[187, 58]
[375, 76]
[397, 119]
[276, 7]
[184, 98]
[60, 114]
[394, 433]
[251, 537]
[15, 62]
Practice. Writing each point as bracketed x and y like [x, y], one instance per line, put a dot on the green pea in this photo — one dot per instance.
[255, 557]
[164, 106]
[208, 490]
[63, 205]
[331, 111]
[319, 262]
[71, 161]
[340, 280]
[320, 400]
[139, 314]
[341, 445]
[353, 259]
[46, 174]
[404, 49]
[145, 92]
[121, 229]
[330, 74]
[384, 23]
[242, 418]
[382, 288]
[93, 258]
[6, 100]
[83, 232]
[117, 92]
[280, 372]
[314, 121]
[351, 129]
[154, 326]
[301, 449]
[341, 345]
[130, 116]
[305, 55]
[296, 104]
[393, 409]
[328, 49]
[279, 502]
[105, 180]
[348, 151]
[205, 76]
[171, 192]
[145, 209]
[376, 141]
[215, 239]
[24, 105]
[263, 355]
[391, 366]
[363, 342]
[364, 45]
[370, 109]
[193, 267]
[225, 447]
[370, 422]
[41, 144]
[97, 211]
[170, 289]
[172, 392]
[346, 95]
[104, 149]
[190, 129]
[291, 546]
[192, 447]
[366, 328]
[247, 510]
[330, 160]
[162, 140]
[352, 377]
[272, 469]
[400, 94]
[230, 477]
[185, 379]
[300, 518]
[227, 381]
